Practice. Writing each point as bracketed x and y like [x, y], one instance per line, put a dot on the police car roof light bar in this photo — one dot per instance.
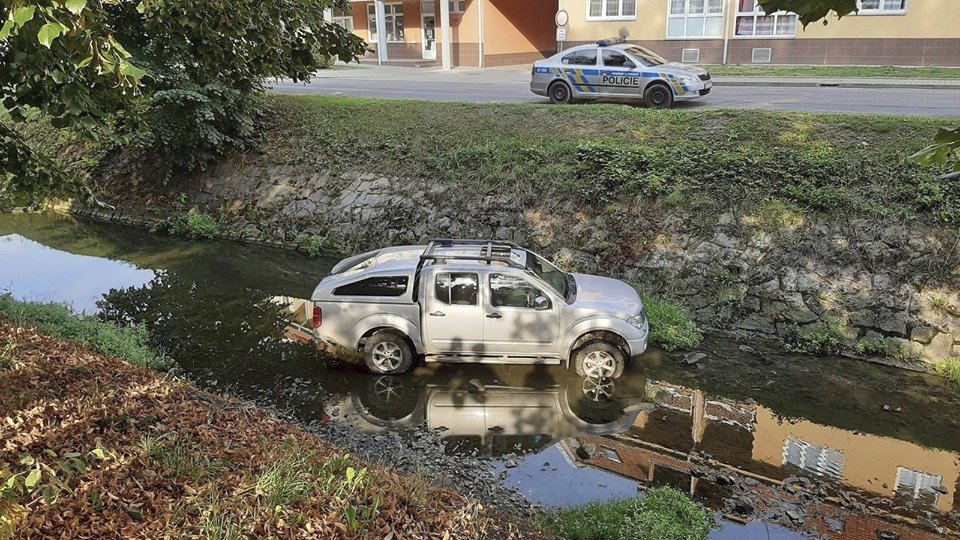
[611, 41]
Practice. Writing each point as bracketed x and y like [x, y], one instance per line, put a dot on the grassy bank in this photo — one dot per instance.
[594, 155]
[884, 72]
[96, 447]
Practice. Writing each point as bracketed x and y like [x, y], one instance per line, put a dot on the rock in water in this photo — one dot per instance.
[694, 357]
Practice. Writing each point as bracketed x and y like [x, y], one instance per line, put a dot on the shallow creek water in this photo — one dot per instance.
[781, 446]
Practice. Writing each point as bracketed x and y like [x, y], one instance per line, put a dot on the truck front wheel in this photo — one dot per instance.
[599, 360]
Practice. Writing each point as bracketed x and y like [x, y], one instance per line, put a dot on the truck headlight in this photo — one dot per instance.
[638, 320]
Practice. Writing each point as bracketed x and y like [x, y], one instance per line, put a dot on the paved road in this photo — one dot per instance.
[510, 86]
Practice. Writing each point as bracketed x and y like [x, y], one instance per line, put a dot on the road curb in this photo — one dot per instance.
[836, 84]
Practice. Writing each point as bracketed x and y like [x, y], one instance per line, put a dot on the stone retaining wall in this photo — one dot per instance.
[780, 275]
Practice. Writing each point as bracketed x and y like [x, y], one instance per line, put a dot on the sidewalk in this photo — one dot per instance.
[521, 73]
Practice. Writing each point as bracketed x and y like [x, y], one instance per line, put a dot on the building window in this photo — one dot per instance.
[882, 7]
[695, 19]
[393, 18]
[917, 485]
[753, 22]
[458, 6]
[343, 17]
[819, 460]
[599, 10]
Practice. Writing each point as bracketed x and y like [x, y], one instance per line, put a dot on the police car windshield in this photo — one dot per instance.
[646, 56]
[556, 278]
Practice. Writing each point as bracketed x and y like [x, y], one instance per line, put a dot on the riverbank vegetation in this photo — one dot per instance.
[126, 343]
[662, 514]
[97, 447]
[596, 155]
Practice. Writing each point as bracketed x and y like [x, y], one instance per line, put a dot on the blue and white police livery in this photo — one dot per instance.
[618, 71]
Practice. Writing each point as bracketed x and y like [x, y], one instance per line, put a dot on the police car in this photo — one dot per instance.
[612, 69]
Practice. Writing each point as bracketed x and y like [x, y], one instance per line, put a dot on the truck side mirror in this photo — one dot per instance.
[541, 304]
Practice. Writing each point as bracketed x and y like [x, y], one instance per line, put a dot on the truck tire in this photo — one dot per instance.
[658, 96]
[599, 360]
[388, 353]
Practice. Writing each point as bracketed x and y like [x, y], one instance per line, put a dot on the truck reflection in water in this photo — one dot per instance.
[744, 460]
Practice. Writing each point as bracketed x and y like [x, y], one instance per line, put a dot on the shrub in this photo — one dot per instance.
[666, 514]
[949, 369]
[671, 328]
[597, 521]
[126, 343]
[826, 337]
[192, 224]
[662, 514]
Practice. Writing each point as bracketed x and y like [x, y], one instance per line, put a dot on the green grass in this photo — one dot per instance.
[950, 370]
[662, 514]
[671, 328]
[892, 72]
[126, 343]
[597, 154]
[192, 224]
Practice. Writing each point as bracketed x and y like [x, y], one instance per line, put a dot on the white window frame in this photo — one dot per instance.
[687, 15]
[346, 21]
[921, 479]
[757, 13]
[603, 11]
[822, 454]
[387, 15]
[458, 6]
[882, 10]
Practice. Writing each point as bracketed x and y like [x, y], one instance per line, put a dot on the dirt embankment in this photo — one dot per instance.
[93, 447]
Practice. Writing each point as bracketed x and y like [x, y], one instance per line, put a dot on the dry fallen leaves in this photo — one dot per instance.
[61, 398]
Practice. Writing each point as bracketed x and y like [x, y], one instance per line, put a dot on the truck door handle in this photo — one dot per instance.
[494, 315]
[438, 314]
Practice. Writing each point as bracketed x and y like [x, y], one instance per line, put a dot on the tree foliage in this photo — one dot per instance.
[185, 73]
[946, 145]
[208, 62]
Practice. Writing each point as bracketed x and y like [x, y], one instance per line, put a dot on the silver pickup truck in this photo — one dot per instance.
[477, 301]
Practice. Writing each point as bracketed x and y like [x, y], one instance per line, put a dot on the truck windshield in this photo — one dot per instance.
[556, 278]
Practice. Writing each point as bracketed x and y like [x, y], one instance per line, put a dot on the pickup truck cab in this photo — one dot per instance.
[477, 301]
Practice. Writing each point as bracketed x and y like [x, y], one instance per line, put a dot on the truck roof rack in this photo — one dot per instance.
[490, 251]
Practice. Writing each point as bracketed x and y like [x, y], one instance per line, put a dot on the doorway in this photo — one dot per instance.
[428, 25]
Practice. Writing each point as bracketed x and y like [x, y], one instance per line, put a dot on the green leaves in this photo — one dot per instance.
[810, 10]
[50, 32]
[76, 6]
[944, 150]
[6, 29]
[23, 15]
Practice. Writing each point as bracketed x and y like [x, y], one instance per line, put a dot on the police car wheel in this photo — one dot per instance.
[560, 93]
[658, 96]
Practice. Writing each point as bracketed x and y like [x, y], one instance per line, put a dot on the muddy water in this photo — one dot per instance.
[780, 445]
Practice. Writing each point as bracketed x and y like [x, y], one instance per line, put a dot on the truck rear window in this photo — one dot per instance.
[375, 286]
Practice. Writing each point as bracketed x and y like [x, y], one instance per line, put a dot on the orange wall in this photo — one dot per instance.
[511, 26]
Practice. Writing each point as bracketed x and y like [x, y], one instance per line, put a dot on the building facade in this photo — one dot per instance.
[481, 33]
[883, 32]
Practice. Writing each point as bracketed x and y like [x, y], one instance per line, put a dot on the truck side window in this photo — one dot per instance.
[508, 290]
[375, 286]
[457, 289]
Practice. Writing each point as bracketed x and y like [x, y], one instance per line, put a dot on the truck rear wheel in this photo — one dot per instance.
[599, 360]
[388, 353]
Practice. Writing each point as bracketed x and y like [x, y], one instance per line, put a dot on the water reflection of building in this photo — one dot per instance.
[690, 430]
